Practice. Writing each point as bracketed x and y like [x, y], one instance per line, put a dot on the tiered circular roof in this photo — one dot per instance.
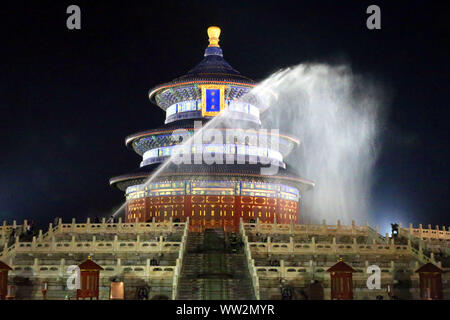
[213, 69]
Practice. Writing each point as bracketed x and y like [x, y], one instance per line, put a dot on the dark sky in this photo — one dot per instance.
[69, 98]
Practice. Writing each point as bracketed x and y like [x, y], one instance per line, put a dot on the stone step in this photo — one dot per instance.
[211, 271]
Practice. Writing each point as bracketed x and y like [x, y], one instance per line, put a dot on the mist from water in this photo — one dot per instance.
[336, 116]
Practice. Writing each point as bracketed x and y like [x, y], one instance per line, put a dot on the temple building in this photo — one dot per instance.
[211, 194]
[197, 230]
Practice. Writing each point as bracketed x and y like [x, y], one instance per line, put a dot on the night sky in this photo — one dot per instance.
[69, 98]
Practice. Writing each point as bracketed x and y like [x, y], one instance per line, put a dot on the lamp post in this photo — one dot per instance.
[11, 292]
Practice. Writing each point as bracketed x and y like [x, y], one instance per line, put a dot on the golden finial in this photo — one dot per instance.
[89, 257]
[213, 34]
[340, 259]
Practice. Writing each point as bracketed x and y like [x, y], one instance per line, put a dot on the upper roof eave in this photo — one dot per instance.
[154, 91]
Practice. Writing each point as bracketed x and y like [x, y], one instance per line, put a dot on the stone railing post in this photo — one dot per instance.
[186, 226]
[62, 266]
[254, 275]
[333, 245]
[118, 266]
[36, 266]
[175, 281]
[313, 244]
[291, 243]
[147, 268]
[115, 244]
[250, 262]
[72, 226]
[50, 229]
[282, 270]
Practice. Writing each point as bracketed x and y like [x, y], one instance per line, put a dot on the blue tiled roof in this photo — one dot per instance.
[212, 68]
[213, 63]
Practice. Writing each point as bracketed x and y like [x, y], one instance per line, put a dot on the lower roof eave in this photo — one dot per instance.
[302, 184]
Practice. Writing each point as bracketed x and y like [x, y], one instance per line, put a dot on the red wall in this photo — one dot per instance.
[212, 211]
